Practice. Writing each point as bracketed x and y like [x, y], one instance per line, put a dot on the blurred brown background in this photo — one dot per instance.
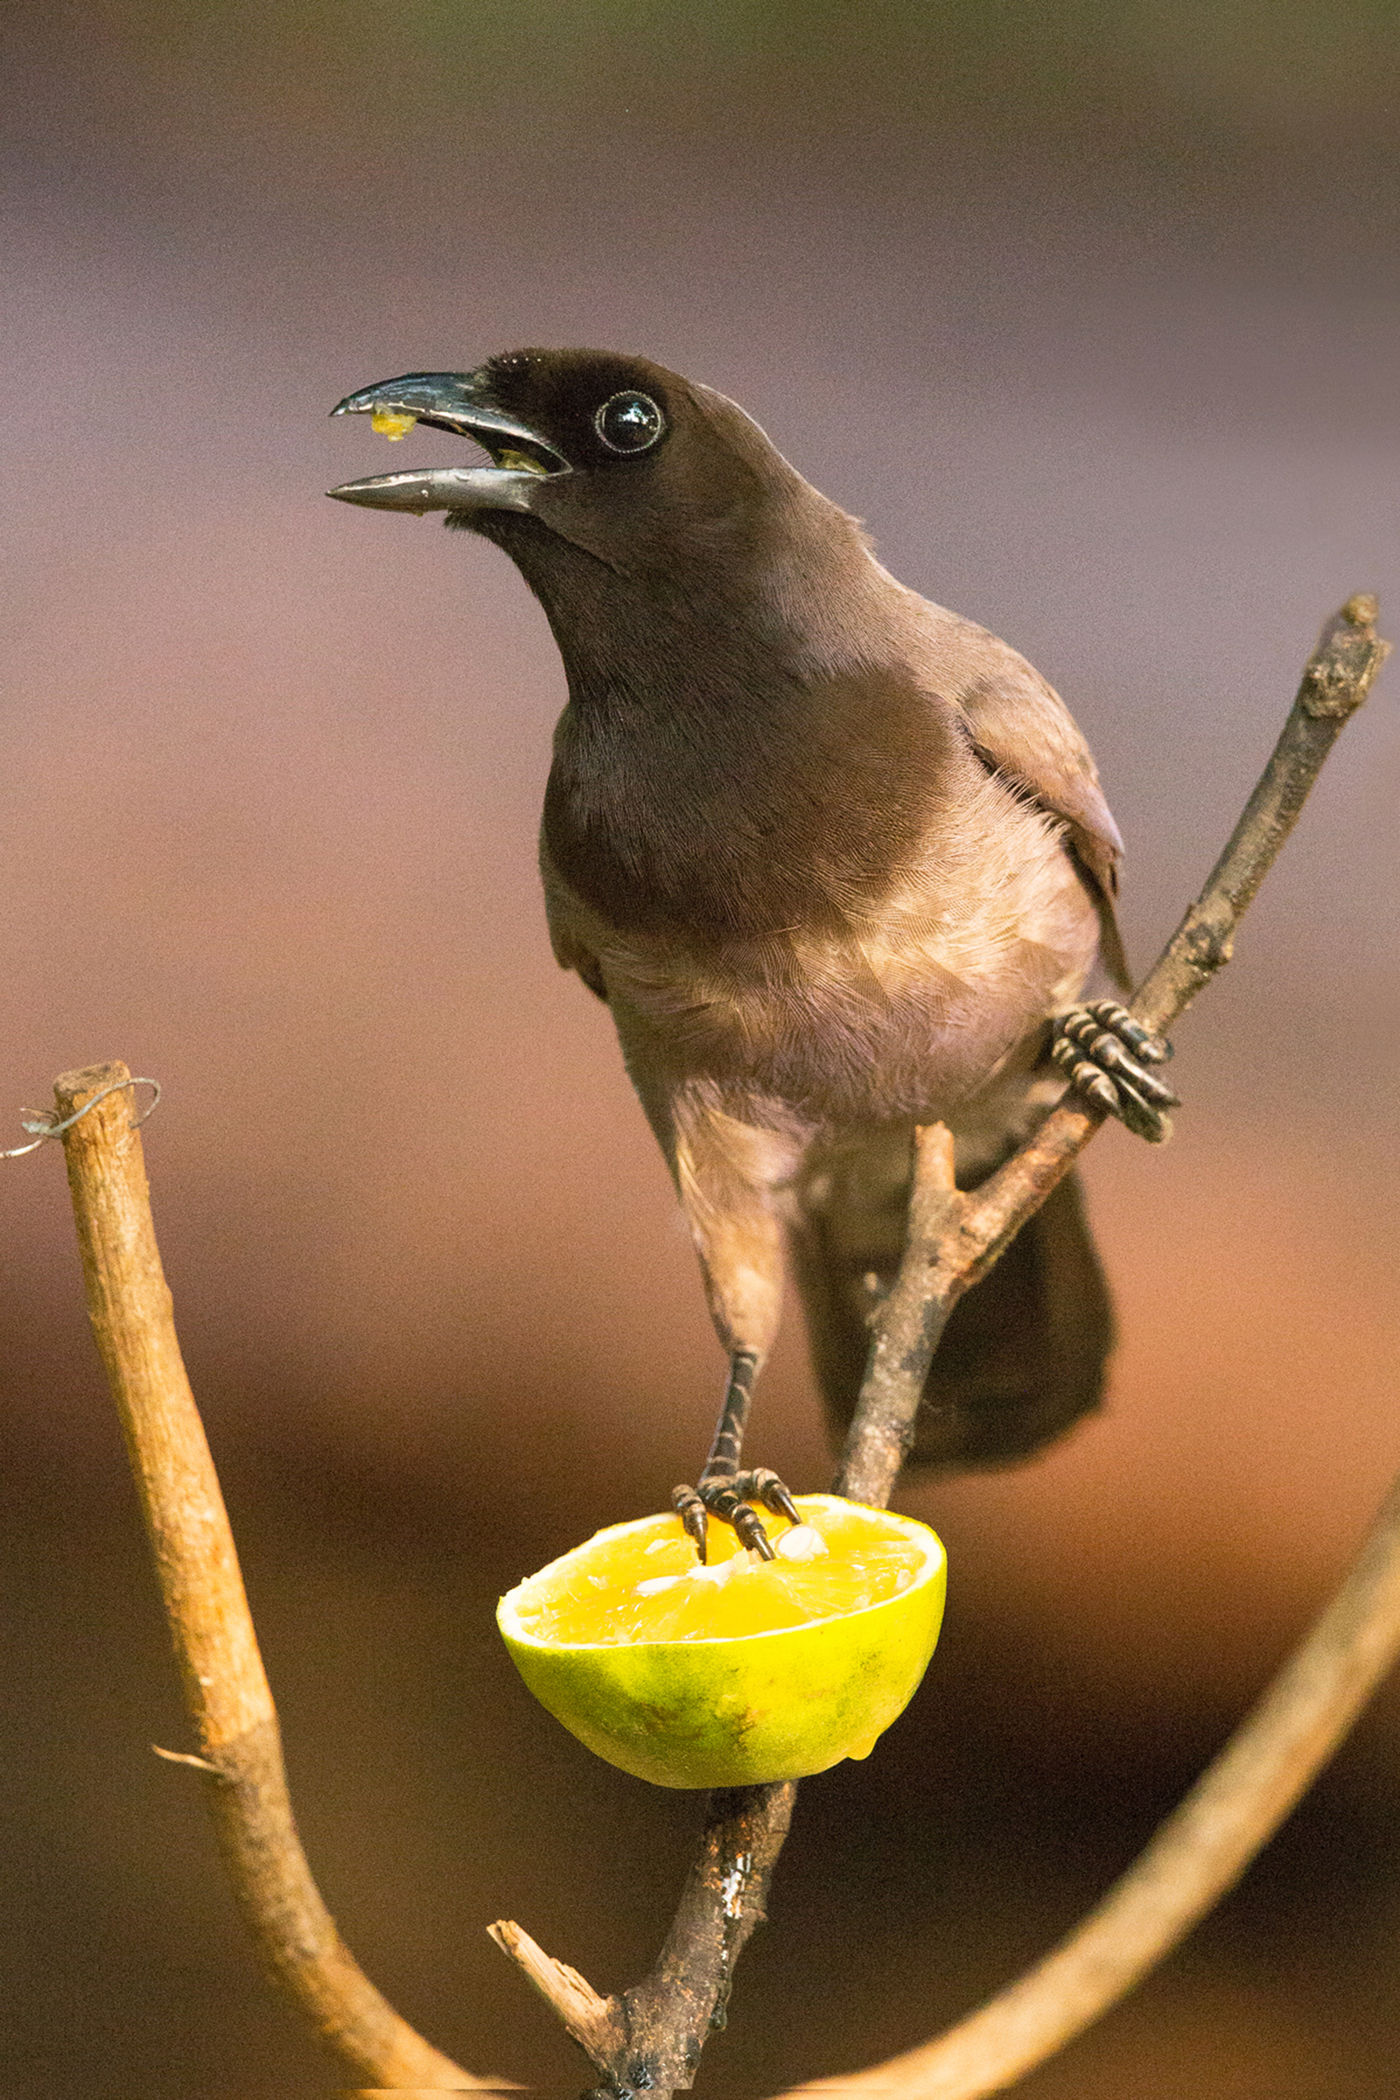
[1091, 311]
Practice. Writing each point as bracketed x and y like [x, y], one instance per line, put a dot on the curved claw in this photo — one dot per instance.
[748, 1525]
[1088, 1080]
[722, 1497]
[691, 1511]
[1107, 1051]
[1141, 1041]
[1143, 1118]
[764, 1486]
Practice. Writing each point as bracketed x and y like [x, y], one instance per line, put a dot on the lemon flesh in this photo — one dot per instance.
[390, 424]
[740, 1671]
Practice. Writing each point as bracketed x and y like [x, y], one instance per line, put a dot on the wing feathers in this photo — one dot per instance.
[1021, 729]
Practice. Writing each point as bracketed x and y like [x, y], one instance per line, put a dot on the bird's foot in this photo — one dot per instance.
[727, 1496]
[1105, 1052]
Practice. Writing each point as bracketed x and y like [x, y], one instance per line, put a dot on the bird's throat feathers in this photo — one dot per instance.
[710, 781]
[742, 754]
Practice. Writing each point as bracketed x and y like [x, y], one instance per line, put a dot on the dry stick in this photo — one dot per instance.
[225, 1686]
[658, 2028]
[649, 2039]
[971, 1232]
[1197, 1854]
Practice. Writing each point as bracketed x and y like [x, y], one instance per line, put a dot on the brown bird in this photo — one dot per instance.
[837, 859]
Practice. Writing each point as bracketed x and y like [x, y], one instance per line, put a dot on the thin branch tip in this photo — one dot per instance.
[597, 2024]
[187, 1757]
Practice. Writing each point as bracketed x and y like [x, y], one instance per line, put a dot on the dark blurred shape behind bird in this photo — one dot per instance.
[837, 859]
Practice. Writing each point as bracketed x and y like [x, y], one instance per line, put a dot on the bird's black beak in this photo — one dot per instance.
[459, 402]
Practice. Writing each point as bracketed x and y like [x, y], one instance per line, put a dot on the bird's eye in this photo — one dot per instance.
[629, 423]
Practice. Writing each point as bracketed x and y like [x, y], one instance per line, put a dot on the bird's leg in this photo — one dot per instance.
[1105, 1053]
[729, 1175]
[723, 1490]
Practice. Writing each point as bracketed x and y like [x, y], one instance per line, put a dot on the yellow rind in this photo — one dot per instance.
[738, 1712]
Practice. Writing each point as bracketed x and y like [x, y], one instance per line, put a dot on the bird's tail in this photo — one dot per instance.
[1023, 1354]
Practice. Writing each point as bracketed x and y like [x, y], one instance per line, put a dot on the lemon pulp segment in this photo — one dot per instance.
[627, 1588]
[390, 424]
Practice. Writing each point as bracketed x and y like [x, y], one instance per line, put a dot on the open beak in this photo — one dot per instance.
[459, 402]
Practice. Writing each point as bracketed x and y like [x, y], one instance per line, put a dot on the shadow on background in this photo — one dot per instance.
[1094, 320]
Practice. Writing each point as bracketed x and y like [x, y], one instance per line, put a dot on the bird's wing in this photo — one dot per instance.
[563, 913]
[1021, 729]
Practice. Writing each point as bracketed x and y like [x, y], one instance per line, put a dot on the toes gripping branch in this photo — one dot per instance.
[1105, 1054]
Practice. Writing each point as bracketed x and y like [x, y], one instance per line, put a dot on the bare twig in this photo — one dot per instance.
[594, 2023]
[943, 1262]
[650, 2038]
[225, 1686]
[953, 1240]
[1197, 1854]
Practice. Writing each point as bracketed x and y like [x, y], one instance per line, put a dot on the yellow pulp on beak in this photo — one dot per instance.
[521, 462]
[390, 424]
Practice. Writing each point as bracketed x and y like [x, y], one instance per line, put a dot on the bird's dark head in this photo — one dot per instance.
[610, 456]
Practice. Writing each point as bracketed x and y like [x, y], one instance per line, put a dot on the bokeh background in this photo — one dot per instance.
[1090, 309]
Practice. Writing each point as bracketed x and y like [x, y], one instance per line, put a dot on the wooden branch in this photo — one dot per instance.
[649, 2039]
[225, 1686]
[942, 1263]
[595, 2023]
[953, 1240]
[670, 2016]
[1198, 1853]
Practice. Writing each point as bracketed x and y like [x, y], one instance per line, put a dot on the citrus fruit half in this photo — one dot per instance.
[741, 1670]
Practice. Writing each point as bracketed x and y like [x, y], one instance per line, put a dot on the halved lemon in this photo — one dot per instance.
[742, 1670]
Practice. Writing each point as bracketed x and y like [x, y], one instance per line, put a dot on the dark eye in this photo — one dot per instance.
[629, 423]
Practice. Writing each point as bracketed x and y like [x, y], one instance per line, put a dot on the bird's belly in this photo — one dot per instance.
[904, 1020]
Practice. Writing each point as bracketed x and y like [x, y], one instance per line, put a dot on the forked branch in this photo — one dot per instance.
[966, 1234]
[1199, 1852]
[953, 1240]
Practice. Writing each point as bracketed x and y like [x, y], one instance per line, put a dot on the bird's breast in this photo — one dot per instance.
[744, 811]
[900, 1009]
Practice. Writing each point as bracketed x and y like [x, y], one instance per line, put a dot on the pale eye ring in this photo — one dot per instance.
[629, 422]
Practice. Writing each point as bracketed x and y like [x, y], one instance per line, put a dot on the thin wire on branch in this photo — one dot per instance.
[954, 1238]
[44, 1123]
